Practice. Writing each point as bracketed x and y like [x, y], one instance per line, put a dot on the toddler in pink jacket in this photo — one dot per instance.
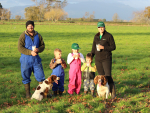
[74, 59]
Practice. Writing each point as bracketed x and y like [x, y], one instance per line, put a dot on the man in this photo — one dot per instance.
[30, 43]
[103, 44]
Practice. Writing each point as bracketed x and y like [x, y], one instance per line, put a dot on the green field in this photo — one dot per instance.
[130, 69]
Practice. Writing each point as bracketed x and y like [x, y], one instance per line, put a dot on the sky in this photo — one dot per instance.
[133, 3]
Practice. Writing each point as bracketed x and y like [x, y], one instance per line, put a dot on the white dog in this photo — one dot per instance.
[102, 86]
[42, 89]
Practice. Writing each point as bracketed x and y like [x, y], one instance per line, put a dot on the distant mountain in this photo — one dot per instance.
[102, 9]
[18, 10]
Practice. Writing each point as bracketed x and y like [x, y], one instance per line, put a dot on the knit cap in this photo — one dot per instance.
[29, 22]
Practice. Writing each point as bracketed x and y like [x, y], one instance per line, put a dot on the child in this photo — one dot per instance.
[89, 70]
[58, 65]
[74, 59]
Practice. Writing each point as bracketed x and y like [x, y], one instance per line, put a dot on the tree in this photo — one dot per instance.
[55, 14]
[147, 12]
[5, 14]
[18, 17]
[115, 18]
[89, 17]
[45, 6]
[0, 10]
[139, 16]
[32, 13]
[1, 6]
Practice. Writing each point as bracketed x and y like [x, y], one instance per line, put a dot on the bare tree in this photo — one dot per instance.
[139, 16]
[5, 14]
[115, 18]
[18, 17]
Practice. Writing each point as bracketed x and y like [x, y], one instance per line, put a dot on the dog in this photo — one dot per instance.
[43, 88]
[102, 86]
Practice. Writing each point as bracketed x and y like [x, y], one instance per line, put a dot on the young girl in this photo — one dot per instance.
[74, 59]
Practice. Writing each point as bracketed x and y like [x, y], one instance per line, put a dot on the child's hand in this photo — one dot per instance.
[74, 56]
[58, 61]
[56, 81]
[78, 55]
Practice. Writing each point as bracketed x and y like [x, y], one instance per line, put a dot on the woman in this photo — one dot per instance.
[103, 44]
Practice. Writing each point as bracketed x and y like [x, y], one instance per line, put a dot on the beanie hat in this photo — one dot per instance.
[75, 46]
[29, 22]
[100, 24]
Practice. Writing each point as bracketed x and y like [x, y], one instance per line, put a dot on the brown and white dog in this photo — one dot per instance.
[102, 86]
[43, 88]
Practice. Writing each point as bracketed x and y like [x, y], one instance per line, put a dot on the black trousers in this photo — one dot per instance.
[104, 68]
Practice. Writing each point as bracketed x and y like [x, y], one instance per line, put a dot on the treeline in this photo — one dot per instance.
[52, 10]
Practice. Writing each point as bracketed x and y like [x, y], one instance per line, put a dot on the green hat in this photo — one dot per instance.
[100, 24]
[75, 46]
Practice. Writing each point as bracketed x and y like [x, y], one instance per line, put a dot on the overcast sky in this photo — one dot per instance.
[133, 3]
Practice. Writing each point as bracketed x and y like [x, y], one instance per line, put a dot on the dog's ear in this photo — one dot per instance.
[104, 80]
[54, 77]
[95, 80]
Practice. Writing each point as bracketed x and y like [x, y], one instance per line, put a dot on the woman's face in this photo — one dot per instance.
[101, 29]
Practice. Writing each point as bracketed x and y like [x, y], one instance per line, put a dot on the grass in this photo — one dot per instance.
[130, 69]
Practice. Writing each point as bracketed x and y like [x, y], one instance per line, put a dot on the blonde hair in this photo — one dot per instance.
[57, 50]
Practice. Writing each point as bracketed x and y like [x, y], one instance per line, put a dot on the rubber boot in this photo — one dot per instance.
[55, 93]
[92, 93]
[112, 90]
[60, 93]
[85, 92]
[27, 89]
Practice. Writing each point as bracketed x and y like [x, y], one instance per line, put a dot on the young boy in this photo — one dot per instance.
[58, 65]
[89, 70]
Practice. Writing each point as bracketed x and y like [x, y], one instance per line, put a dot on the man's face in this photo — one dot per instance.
[101, 29]
[30, 28]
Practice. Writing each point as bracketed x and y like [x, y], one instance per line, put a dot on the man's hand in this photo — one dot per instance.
[33, 53]
[36, 50]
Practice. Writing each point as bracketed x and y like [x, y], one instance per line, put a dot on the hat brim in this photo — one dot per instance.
[76, 48]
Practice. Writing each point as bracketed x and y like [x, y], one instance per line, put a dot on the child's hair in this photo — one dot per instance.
[89, 55]
[57, 50]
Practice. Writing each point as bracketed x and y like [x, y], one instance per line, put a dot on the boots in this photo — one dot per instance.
[112, 90]
[92, 93]
[55, 93]
[27, 89]
[60, 93]
[85, 92]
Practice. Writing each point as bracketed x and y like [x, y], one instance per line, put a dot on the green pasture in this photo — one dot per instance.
[130, 69]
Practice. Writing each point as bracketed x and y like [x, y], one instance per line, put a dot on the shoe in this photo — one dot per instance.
[92, 93]
[85, 92]
[60, 93]
[55, 93]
